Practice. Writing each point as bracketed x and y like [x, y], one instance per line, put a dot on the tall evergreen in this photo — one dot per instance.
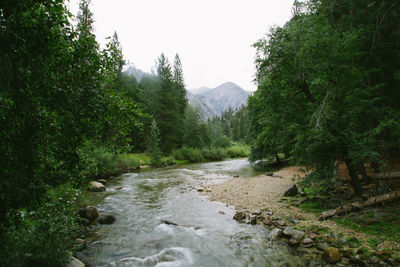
[168, 110]
[181, 99]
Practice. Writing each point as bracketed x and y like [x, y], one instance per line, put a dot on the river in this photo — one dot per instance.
[204, 235]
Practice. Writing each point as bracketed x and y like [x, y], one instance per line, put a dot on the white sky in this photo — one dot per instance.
[212, 37]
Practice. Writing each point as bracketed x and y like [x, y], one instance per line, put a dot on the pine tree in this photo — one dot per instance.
[155, 151]
[168, 112]
[181, 100]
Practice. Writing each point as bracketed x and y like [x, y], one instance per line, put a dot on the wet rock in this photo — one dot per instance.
[89, 213]
[239, 215]
[281, 223]
[267, 221]
[274, 234]
[294, 220]
[208, 190]
[106, 219]
[293, 233]
[111, 177]
[331, 255]
[200, 189]
[235, 175]
[307, 241]
[269, 174]
[168, 222]
[118, 187]
[291, 191]
[102, 181]
[97, 187]
[75, 263]
[293, 242]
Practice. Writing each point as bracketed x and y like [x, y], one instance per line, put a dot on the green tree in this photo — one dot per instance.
[168, 111]
[155, 151]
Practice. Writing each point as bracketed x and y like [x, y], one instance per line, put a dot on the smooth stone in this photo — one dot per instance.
[97, 187]
[106, 219]
[293, 233]
[102, 181]
[90, 213]
[75, 263]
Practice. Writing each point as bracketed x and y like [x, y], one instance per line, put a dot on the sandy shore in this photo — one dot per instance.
[265, 193]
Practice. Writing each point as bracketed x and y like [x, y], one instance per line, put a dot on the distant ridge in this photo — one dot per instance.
[214, 102]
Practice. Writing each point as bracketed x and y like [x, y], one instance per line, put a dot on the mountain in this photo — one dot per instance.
[200, 90]
[217, 100]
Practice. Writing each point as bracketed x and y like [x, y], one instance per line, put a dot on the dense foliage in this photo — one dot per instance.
[328, 85]
[60, 100]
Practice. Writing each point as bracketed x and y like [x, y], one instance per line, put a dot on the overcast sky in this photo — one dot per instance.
[212, 37]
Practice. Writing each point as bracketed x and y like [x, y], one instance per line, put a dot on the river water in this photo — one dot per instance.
[204, 235]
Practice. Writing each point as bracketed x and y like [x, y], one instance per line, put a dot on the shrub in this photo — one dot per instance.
[238, 151]
[42, 237]
[214, 154]
[126, 162]
[190, 154]
[168, 161]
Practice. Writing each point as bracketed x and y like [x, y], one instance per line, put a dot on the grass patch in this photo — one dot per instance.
[388, 229]
[313, 207]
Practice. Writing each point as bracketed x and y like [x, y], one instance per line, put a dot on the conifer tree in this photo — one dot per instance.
[168, 112]
[155, 151]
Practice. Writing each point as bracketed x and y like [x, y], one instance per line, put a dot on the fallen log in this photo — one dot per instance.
[385, 175]
[359, 205]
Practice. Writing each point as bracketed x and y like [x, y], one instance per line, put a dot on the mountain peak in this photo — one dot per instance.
[219, 99]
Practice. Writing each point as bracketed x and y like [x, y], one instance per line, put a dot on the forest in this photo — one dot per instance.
[327, 91]
[69, 114]
[328, 87]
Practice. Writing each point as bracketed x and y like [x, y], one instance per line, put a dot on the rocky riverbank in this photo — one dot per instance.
[259, 200]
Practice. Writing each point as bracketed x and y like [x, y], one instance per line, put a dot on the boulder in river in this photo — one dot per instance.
[291, 191]
[239, 215]
[89, 212]
[293, 233]
[332, 255]
[274, 234]
[102, 181]
[106, 219]
[97, 187]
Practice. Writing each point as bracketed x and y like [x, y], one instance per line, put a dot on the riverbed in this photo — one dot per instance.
[162, 220]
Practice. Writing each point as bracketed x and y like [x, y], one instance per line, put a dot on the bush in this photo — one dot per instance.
[238, 151]
[214, 154]
[42, 237]
[168, 161]
[190, 154]
[126, 162]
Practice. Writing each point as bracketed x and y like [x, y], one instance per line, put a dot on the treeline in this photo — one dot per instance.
[328, 86]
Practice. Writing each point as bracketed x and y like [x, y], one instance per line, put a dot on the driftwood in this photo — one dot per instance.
[359, 205]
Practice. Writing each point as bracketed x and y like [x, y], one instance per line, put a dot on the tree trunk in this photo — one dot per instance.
[359, 205]
[355, 182]
[277, 158]
[365, 177]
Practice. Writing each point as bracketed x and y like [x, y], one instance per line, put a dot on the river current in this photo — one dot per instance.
[162, 220]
